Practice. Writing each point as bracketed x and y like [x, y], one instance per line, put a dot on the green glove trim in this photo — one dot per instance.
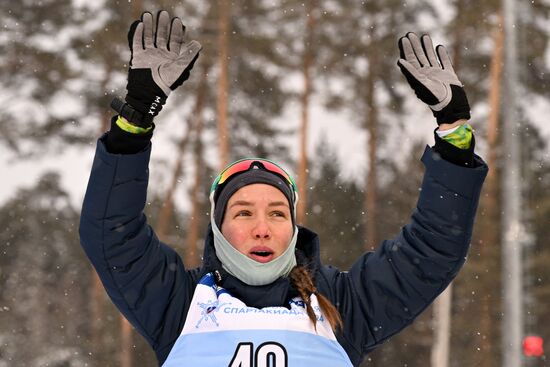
[461, 137]
[128, 127]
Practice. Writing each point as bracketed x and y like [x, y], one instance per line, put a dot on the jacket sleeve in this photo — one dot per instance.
[386, 289]
[144, 278]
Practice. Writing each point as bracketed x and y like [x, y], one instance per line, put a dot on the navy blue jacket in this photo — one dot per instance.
[382, 292]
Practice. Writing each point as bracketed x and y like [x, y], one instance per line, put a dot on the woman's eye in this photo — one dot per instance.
[278, 214]
[243, 213]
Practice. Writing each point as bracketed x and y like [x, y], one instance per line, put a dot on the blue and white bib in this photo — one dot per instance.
[222, 331]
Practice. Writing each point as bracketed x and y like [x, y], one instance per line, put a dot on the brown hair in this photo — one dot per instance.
[302, 281]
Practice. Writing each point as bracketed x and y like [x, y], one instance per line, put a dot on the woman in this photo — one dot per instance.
[261, 296]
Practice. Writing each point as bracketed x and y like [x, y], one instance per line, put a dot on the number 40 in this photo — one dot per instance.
[267, 352]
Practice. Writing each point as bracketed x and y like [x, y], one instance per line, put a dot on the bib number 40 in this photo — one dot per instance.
[269, 354]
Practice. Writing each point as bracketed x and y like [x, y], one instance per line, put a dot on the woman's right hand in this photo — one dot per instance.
[161, 61]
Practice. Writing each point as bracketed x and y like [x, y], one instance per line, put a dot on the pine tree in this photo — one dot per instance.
[334, 208]
[38, 75]
[42, 291]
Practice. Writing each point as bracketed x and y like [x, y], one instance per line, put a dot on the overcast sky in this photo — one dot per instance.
[348, 140]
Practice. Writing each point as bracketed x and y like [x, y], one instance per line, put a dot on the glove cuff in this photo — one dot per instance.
[119, 141]
[144, 95]
[457, 109]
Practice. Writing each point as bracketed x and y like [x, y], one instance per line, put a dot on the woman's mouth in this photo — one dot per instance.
[261, 254]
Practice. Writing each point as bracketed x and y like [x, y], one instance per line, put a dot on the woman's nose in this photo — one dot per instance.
[261, 229]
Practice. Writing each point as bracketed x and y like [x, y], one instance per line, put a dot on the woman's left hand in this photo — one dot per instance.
[432, 78]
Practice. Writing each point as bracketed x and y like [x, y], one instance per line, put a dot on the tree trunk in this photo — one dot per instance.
[106, 111]
[192, 256]
[494, 103]
[97, 297]
[512, 213]
[125, 355]
[442, 329]
[126, 341]
[307, 60]
[223, 85]
[105, 115]
[371, 190]
[489, 237]
[371, 125]
[97, 294]
[167, 207]
[442, 305]
[457, 35]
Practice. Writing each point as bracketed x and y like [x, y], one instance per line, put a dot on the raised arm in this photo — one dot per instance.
[386, 289]
[144, 278]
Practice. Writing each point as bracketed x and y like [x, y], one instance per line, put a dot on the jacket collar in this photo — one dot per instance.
[277, 293]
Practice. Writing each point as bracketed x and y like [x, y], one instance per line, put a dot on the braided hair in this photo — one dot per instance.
[302, 281]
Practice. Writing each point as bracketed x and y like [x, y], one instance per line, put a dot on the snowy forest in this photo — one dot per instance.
[312, 84]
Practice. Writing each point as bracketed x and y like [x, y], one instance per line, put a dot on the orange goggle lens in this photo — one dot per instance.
[245, 164]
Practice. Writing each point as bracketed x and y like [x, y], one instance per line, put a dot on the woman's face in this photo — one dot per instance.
[257, 222]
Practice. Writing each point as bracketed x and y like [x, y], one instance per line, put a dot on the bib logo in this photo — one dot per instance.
[208, 311]
[298, 303]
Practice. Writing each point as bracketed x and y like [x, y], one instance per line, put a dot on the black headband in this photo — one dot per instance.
[252, 176]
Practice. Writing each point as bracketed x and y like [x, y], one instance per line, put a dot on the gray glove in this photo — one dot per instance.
[161, 61]
[433, 78]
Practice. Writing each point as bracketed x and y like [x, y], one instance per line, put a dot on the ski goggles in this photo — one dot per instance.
[246, 164]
